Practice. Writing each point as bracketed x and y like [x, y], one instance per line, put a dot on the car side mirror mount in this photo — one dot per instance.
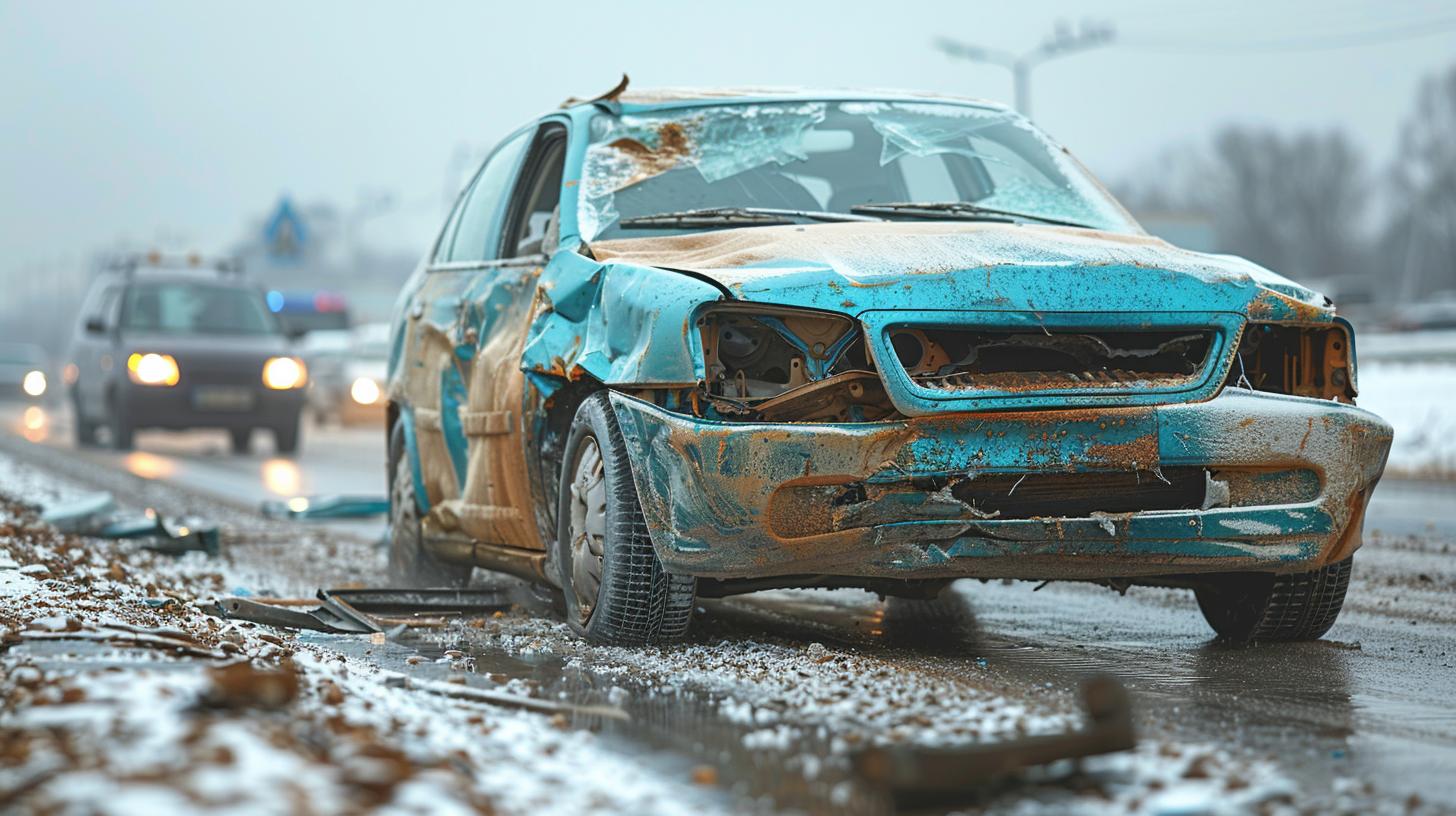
[296, 334]
[95, 325]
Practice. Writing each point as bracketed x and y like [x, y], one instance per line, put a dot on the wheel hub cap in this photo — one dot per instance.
[588, 527]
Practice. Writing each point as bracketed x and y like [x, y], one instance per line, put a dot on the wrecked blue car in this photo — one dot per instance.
[673, 345]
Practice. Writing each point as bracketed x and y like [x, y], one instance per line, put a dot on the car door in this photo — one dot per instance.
[439, 345]
[496, 503]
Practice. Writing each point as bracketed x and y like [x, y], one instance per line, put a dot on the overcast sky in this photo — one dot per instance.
[143, 122]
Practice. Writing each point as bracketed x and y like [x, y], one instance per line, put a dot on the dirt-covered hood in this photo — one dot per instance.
[856, 267]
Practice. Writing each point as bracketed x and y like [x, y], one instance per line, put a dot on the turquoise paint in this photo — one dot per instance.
[452, 397]
[412, 452]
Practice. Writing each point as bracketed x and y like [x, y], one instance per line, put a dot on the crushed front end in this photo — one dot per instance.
[1008, 443]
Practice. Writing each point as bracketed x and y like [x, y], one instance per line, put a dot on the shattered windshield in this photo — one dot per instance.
[830, 157]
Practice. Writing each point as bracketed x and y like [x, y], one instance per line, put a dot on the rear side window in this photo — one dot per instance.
[187, 308]
[478, 221]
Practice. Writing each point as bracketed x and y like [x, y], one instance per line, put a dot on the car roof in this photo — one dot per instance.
[200, 276]
[670, 97]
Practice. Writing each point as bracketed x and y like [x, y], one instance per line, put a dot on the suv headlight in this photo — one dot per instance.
[283, 373]
[365, 391]
[34, 383]
[152, 369]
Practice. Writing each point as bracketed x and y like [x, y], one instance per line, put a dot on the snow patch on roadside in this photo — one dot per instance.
[1417, 400]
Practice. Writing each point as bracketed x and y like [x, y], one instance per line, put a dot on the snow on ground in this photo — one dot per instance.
[1419, 401]
[118, 695]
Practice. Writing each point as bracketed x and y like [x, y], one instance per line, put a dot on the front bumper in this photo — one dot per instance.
[712, 492]
[179, 408]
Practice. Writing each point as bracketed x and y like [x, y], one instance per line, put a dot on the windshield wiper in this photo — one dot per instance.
[956, 209]
[735, 216]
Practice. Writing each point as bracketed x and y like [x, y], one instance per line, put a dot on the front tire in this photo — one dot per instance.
[616, 589]
[285, 436]
[85, 428]
[122, 431]
[410, 564]
[1262, 607]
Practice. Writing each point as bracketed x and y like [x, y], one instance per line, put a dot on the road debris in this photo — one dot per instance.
[360, 611]
[460, 691]
[327, 506]
[920, 774]
[96, 515]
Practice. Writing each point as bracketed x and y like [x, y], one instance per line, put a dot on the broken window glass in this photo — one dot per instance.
[829, 157]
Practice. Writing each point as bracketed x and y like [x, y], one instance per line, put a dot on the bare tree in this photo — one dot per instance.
[1421, 237]
[1296, 204]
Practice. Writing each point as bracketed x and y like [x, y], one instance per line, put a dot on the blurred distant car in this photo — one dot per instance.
[1437, 312]
[347, 371]
[168, 343]
[675, 344]
[309, 310]
[24, 372]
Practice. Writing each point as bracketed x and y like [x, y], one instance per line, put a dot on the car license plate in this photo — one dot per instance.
[222, 398]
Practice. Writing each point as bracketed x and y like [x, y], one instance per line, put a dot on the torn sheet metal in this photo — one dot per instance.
[96, 514]
[922, 775]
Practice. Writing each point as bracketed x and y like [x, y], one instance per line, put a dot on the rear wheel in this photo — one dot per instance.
[410, 565]
[616, 590]
[242, 439]
[1262, 607]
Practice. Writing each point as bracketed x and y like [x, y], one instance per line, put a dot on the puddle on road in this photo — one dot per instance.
[676, 730]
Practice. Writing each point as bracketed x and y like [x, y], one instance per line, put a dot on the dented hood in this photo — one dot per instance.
[862, 266]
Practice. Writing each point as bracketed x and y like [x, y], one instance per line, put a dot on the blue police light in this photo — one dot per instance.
[275, 300]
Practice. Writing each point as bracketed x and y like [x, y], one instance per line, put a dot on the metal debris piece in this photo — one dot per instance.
[96, 514]
[327, 507]
[118, 634]
[938, 774]
[353, 611]
[497, 698]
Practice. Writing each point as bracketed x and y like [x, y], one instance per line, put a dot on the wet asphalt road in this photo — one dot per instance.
[1375, 702]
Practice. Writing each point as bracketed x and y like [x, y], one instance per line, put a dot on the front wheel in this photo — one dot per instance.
[285, 436]
[616, 590]
[1263, 607]
[85, 428]
[122, 431]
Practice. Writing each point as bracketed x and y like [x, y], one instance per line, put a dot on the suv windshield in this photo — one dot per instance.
[195, 308]
[831, 157]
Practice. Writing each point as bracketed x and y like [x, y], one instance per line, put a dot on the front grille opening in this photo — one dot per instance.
[960, 360]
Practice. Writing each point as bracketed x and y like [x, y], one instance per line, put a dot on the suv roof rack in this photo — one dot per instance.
[129, 263]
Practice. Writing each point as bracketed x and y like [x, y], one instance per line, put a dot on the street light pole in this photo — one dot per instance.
[1061, 43]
